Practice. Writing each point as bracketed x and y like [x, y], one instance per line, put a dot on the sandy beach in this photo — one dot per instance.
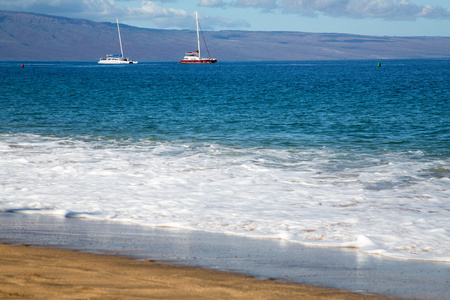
[46, 257]
[42, 273]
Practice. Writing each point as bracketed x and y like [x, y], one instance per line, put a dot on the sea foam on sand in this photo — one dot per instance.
[392, 204]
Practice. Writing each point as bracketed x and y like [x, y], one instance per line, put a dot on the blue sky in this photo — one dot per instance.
[368, 17]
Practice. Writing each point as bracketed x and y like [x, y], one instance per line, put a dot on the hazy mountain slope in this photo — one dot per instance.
[26, 36]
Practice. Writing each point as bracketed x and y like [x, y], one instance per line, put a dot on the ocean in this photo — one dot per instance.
[323, 153]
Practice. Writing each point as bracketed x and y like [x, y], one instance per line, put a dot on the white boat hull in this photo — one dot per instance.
[116, 62]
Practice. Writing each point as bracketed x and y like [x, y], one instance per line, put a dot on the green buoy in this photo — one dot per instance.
[379, 64]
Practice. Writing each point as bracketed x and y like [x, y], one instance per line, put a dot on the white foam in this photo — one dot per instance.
[388, 204]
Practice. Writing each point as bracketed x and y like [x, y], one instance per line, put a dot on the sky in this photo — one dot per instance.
[367, 17]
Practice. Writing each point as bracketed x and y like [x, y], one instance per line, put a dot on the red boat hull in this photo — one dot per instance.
[199, 61]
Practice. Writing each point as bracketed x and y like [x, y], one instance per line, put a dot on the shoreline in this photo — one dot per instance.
[263, 260]
[30, 272]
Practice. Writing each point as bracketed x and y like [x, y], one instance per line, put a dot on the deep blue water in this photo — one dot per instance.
[404, 105]
[340, 153]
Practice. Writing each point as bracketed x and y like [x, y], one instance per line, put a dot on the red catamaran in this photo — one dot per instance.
[194, 56]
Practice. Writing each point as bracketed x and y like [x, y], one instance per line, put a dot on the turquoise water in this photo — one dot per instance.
[315, 152]
[404, 105]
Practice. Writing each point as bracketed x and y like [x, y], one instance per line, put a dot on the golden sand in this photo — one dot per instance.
[42, 273]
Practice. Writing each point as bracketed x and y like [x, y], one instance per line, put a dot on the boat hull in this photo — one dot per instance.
[199, 61]
[117, 63]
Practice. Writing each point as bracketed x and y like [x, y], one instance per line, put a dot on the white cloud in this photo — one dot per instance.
[108, 10]
[212, 3]
[385, 9]
[171, 17]
[266, 5]
[161, 16]
[165, 14]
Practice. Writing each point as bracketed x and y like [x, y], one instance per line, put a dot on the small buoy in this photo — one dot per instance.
[379, 64]
[22, 65]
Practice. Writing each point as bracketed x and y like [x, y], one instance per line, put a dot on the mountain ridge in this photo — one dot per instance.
[30, 36]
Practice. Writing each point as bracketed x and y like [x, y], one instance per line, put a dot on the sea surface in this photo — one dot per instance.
[325, 153]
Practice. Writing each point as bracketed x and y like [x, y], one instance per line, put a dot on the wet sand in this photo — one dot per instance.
[42, 273]
[260, 261]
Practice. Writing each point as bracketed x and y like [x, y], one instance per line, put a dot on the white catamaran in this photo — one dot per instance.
[116, 59]
[194, 57]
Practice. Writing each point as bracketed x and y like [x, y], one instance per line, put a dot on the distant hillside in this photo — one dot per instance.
[27, 36]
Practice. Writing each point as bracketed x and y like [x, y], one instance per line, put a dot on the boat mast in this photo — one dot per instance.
[120, 39]
[198, 36]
